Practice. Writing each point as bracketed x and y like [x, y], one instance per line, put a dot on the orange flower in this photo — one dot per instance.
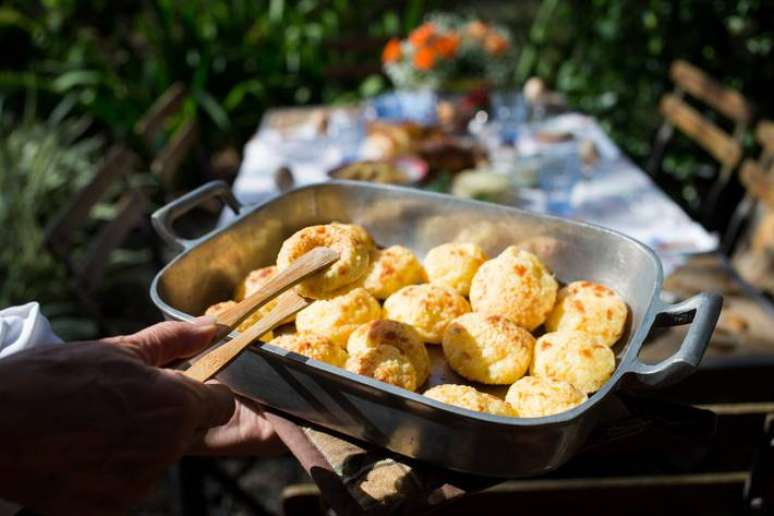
[477, 29]
[446, 46]
[392, 51]
[496, 44]
[424, 58]
[421, 34]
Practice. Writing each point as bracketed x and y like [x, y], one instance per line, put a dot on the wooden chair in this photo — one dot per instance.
[754, 258]
[63, 234]
[725, 148]
[168, 152]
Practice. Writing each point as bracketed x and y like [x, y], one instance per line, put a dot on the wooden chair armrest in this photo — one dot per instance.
[59, 234]
[169, 159]
[713, 139]
[131, 212]
[168, 103]
[725, 100]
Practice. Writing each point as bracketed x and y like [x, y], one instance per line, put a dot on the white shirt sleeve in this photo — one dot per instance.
[22, 327]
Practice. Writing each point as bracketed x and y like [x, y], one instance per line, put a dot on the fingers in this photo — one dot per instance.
[162, 343]
[247, 433]
[212, 404]
[218, 406]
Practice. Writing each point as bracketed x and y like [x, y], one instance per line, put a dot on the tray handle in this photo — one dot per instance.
[164, 217]
[701, 312]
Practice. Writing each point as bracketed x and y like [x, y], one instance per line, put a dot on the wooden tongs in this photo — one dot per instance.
[211, 363]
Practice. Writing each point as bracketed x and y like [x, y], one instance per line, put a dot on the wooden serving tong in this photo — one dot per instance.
[211, 363]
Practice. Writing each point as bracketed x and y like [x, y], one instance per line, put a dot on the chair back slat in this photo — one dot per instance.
[764, 133]
[59, 235]
[758, 182]
[725, 100]
[149, 126]
[130, 214]
[169, 159]
[713, 139]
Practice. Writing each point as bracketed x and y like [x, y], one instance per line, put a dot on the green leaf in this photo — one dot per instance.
[237, 94]
[213, 109]
[10, 17]
[70, 80]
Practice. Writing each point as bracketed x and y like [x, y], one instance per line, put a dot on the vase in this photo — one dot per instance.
[418, 105]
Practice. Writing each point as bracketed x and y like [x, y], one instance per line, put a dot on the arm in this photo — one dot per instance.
[87, 428]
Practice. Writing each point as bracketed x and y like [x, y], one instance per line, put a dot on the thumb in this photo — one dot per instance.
[162, 343]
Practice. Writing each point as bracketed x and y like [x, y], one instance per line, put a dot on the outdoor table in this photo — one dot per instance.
[617, 194]
[355, 478]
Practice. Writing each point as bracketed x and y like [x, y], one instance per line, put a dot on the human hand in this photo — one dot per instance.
[87, 428]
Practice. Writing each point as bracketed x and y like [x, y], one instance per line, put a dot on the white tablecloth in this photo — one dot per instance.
[618, 195]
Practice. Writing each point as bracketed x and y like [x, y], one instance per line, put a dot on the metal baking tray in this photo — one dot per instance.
[407, 423]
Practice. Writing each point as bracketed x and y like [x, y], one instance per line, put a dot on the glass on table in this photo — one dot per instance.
[509, 114]
[559, 170]
[345, 132]
[521, 170]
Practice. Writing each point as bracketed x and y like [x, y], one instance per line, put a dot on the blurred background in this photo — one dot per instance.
[76, 77]
[156, 97]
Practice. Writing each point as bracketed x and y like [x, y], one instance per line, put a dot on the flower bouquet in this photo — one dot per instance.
[451, 54]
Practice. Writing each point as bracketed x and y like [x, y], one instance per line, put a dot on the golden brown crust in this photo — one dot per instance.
[353, 244]
[428, 308]
[254, 281]
[573, 357]
[312, 346]
[453, 265]
[468, 397]
[338, 317]
[386, 364]
[392, 269]
[488, 348]
[398, 335]
[517, 285]
[532, 396]
[591, 308]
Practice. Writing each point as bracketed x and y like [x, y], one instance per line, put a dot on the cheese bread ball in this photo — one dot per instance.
[386, 364]
[313, 346]
[392, 269]
[218, 308]
[254, 281]
[396, 334]
[468, 397]
[353, 245]
[533, 396]
[488, 348]
[573, 357]
[428, 308]
[454, 265]
[339, 316]
[590, 308]
[516, 285]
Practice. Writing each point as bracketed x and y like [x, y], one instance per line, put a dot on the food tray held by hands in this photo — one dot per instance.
[408, 423]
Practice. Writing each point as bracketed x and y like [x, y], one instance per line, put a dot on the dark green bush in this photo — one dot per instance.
[611, 58]
[237, 57]
[42, 164]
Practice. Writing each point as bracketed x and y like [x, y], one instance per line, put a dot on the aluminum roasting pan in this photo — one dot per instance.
[407, 423]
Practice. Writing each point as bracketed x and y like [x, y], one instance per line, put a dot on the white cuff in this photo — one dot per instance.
[22, 327]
